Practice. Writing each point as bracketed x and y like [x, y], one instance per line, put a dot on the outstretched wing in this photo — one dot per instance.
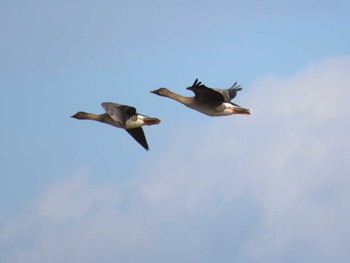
[139, 136]
[205, 94]
[230, 93]
[119, 113]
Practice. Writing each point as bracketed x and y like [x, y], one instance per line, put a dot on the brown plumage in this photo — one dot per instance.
[122, 116]
[209, 101]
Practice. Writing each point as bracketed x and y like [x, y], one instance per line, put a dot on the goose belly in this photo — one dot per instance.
[213, 111]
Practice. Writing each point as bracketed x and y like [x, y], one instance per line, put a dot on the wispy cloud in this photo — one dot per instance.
[267, 187]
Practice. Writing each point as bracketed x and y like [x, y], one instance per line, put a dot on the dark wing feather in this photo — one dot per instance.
[139, 136]
[119, 113]
[233, 90]
[205, 94]
[230, 93]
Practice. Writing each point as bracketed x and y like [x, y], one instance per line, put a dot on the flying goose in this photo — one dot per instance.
[122, 116]
[210, 101]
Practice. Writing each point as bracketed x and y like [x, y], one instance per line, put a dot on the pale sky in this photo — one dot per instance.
[269, 187]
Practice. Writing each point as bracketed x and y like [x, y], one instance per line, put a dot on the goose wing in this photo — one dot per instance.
[119, 113]
[139, 136]
[205, 94]
[230, 93]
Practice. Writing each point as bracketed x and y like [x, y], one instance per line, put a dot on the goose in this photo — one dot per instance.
[209, 101]
[122, 116]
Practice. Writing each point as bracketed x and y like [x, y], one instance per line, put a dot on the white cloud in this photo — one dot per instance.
[272, 186]
[319, 91]
[73, 198]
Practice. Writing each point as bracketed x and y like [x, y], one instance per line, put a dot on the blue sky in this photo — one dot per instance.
[269, 187]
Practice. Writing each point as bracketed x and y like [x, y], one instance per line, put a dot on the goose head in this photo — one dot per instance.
[164, 92]
[80, 115]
